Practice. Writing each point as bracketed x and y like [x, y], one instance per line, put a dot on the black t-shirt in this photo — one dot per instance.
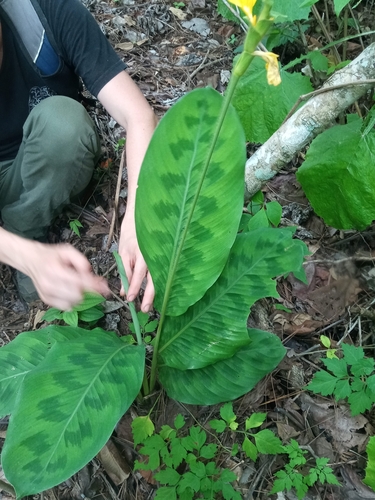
[82, 51]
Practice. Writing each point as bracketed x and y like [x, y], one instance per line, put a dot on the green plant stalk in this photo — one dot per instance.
[133, 312]
[125, 284]
[254, 36]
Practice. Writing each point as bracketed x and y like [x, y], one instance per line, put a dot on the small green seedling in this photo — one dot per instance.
[146, 325]
[331, 353]
[263, 441]
[120, 144]
[293, 475]
[89, 311]
[178, 5]
[261, 214]
[232, 39]
[351, 378]
[75, 225]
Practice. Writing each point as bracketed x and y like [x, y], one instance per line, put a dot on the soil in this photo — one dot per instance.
[167, 58]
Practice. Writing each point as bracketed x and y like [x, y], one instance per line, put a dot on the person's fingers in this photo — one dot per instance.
[61, 275]
[148, 297]
[63, 293]
[139, 273]
[71, 257]
[82, 267]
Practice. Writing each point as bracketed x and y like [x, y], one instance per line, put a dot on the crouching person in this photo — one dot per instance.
[49, 145]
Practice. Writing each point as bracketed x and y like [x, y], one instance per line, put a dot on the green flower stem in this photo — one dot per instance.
[254, 36]
[125, 284]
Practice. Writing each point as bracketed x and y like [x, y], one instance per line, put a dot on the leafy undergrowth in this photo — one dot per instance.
[300, 431]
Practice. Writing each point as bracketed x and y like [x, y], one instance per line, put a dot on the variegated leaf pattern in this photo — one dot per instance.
[186, 217]
[23, 354]
[67, 409]
[215, 327]
[227, 379]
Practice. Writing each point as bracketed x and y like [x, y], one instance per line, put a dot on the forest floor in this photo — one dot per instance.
[168, 56]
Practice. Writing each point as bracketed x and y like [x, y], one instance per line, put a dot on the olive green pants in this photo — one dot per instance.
[55, 162]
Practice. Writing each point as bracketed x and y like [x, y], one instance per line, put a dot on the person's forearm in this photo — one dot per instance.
[125, 102]
[138, 138]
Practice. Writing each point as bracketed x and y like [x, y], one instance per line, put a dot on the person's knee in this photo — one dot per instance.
[61, 146]
[63, 125]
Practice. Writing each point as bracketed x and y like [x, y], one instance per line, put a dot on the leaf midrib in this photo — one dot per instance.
[180, 242]
[76, 409]
[188, 325]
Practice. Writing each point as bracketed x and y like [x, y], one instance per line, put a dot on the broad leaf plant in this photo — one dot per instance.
[65, 388]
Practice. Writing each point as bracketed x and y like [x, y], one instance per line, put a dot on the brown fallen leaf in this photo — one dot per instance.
[178, 13]
[38, 318]
[346, 431]
[114, 465]
[331, 300]
[352, 487]
[295, 324]
[286, 432]
[124, 46]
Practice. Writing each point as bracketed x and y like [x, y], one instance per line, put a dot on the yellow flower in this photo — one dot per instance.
[247, 6]
[272, 66]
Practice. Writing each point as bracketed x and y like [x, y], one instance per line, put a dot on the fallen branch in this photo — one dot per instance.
[316, 115]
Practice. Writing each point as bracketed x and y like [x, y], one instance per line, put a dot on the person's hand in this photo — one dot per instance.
[61, 274]
[135, 265]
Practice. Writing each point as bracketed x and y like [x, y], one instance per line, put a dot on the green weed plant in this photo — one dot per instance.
[185, 464]
[88, 311]
[350, 378]
[294, 476]
[75, 225]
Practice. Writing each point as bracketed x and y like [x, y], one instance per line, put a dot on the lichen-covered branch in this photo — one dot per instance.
[311, 119]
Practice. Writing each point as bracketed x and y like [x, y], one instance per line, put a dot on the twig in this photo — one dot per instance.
[125, 304]
[237, 14]
[201, 65]
[110, 270]
[117, 195]
[325, 31]
[306, 97]
[358, 258]
[357, 27]
[259, 478]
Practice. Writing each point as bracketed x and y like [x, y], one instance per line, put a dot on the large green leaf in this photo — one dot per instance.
[370, 467]
[187, 218]
[282, 11]
[262, 107]
[338, 176]
[289, 10]
[339, 5]
[215, 327]
[227, 379]
[23, 354]
[67, 409]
